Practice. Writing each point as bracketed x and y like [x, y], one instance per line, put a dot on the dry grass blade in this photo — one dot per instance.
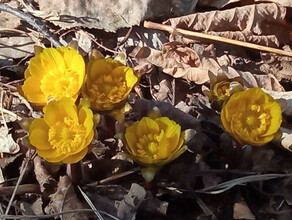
[114, 177]
[17, 184]
[44, 216]
[90, 204]
[148, 24]
[222, 187]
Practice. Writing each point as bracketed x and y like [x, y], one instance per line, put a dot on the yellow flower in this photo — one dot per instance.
[222, 90]
[108, 83]
[153, 142]
[54, 74]
[252, 116]
[64, 133]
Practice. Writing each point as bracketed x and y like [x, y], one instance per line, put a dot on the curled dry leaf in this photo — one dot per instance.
[222, 3]
[280, 67]
[286, 139]
[180, 61]
[65, 199]
[241, 211]
[252, 23]
[177, 60]
[43, 177]
[7, 144]
[126, 209]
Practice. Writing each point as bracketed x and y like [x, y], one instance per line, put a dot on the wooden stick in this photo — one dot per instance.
[163, 27]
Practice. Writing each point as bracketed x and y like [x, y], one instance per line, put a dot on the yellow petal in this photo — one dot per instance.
[38, 134]
[32, 91]
[131, 138]
[36, 68]
[74, 61]
[27, 73]
[131, 79]
[56, 160]
[49, 154]
[52, 60]
[75, 157]
[89, 138]
[56, 111]
[147, 125]
[276, 113]
[98, 69]
[86, 117]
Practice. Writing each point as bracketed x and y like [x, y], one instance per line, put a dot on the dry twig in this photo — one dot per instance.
[163, 27]
[39, 25]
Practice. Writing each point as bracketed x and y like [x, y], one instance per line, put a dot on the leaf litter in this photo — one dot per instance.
[176, 71]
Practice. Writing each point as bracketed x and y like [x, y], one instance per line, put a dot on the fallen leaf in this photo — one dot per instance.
[65, 199]
[126, 209]
[252, 23]
[7, 144]
[286, 139]
[223, 3]
[180, 61]
[241, 211]
[8, 159]
[46, 181]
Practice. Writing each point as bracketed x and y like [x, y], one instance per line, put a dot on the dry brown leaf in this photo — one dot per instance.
[110, 15]
[280, 67]
[180, 61]
[43, 177]
[222, 3]
[251, 23]
[126, 209]
[8, 159]
[7, 143]
[7, 20]
[2, 180]
[65, 199]
[286, 139]
[241, 211]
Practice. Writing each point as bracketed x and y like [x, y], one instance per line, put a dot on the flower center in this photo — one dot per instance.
[254, 119]
[224, 91]
[221, 90]
[148, 145]
[108, 89]
[66, 136]
[59, 84]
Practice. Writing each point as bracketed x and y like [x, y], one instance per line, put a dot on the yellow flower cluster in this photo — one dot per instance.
[153, 142]
[54, 79]
[252, 117]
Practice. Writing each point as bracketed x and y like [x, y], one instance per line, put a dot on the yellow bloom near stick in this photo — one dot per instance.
[108, 83]
[153, 142]
[252, 117]
[54, 73]
[64, 133]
